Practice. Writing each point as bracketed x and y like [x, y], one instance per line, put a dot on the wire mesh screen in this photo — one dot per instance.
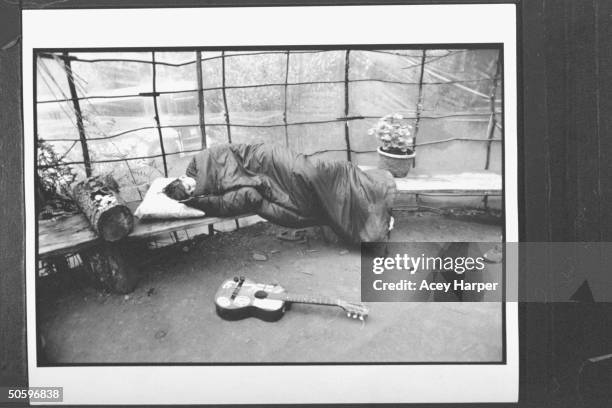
[142, 115]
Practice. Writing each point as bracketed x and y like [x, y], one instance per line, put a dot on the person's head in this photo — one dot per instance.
[180, 189]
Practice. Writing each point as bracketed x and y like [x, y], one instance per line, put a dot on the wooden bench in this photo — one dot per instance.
[110, 264]
[467, 183]
[72, 234]
[476, 183]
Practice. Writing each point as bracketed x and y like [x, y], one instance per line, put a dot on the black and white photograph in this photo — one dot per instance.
[310, 203]
[212, 203]
[163, 174]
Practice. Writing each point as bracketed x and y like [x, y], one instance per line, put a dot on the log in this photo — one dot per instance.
[99, 199]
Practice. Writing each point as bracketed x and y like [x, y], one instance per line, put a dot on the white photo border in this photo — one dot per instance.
[279, 26]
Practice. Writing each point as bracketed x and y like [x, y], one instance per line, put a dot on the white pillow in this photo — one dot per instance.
[158, 205]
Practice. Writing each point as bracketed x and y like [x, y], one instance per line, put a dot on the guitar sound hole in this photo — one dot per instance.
[261, 294]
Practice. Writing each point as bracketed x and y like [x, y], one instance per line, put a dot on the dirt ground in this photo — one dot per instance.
[170, 317]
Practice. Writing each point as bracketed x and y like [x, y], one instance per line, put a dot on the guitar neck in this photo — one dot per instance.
[299, 298]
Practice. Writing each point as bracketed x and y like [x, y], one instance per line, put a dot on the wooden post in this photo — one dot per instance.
[227, 119]
[492, 122]
[110, 268]
[347, 137]
[285, 111]
[155, 94]
[419, 106]
[78, 114]
[98, 197]
[60, 263]
[201, 97]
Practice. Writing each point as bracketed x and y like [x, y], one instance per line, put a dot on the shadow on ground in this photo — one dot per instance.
[170, 317]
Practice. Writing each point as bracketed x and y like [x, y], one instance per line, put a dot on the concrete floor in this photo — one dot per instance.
[170, 318]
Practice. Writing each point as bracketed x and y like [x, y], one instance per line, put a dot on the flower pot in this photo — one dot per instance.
[398, 164]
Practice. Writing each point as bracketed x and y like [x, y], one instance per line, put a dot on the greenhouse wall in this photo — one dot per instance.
[142, 115]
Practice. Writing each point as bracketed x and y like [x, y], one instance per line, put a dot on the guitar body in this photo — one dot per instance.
[240, 298]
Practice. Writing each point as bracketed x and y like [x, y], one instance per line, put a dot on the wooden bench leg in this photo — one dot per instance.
[60, 263]
[111, 268]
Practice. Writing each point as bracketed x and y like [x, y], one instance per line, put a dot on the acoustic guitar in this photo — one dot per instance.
[239, 298]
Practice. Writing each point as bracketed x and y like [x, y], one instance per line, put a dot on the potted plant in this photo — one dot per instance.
[396, 152]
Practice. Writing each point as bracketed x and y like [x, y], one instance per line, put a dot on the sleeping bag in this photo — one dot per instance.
[292, 190]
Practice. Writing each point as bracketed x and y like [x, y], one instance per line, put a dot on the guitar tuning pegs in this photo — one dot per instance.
[361, 317]
[354, 315]
[348, 314]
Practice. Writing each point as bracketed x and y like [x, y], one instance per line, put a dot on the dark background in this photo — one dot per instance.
[565, 114]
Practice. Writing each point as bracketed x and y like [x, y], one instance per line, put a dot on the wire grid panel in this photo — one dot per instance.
[296, 98]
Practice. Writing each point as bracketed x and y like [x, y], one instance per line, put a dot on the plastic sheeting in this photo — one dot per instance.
[270, 97]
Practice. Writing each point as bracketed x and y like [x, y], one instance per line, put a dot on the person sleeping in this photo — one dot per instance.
[289, 189]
